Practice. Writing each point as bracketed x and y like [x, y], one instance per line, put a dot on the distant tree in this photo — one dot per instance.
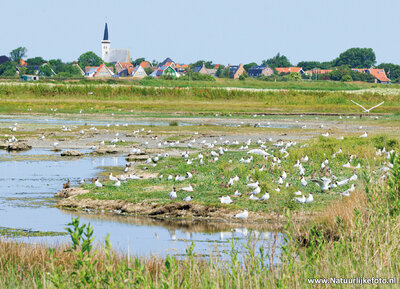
[226, 73]
[36, 61]
[138, 61]
[277, 61]
[197, 76]
[219, 71]
[45, 70]
[249, 65]
[326, 65]
[57, 65]
[356, 58]
[199, 63]
[89, 59]
[22, 70]
[308, 65]
[70, 71]
[149, 70]
[8, 68]
[295, 76]
[111, 66]
[155, 63]
[392, 71]
[346, 78]
[335, 75]
[18, 53]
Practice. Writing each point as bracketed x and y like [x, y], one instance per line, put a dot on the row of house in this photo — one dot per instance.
[122, 69]
[120, 58]
[170, 68]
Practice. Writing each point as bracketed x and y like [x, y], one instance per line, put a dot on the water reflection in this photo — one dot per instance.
[26, 202]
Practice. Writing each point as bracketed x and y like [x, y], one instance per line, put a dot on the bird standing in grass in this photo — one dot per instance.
[188, 199]
[225, 200]
[188, 188]
[112, 178]
[98, 184]
[300, 200]
[172, 194]
[264, 197]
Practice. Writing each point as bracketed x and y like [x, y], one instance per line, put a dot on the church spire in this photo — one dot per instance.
[105, 33]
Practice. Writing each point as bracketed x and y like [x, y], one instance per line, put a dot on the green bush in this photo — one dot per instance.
[346, 78]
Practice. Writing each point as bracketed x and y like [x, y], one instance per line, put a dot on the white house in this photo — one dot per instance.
[139, 72]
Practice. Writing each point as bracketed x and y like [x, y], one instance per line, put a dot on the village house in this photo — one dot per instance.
[145, 64]
[166, 70]
[138, 72]
[181, 68]
[80, 69]
[288, 70]
[378, 73]
[27, 77]
[4, 59]
[236, 71]
[167, 62]
[124, 69]
[257, 71]
[203, 70]
[102, 71]
[318, 71]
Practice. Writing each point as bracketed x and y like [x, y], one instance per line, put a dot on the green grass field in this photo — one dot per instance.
[224, 82]
[97, 98]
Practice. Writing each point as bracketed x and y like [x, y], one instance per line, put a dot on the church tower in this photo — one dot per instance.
[105, 45]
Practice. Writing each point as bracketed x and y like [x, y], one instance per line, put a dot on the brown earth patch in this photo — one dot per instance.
[71, 192]
[179, 210]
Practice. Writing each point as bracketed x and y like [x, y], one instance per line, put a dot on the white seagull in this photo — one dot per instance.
[225, 200]
[188, 188]
[98, 184]
[323, 183]
[243, 215]
[172, 194]
[264, 197]
[367, 110]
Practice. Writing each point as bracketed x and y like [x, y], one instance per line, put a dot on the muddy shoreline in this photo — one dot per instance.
[181, 211]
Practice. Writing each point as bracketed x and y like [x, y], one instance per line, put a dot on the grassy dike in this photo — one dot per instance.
[95, 98]
[362, 243]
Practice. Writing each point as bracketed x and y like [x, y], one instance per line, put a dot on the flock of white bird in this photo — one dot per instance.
[274, 155]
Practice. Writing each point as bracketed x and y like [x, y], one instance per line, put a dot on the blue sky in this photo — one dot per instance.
[224, 31]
